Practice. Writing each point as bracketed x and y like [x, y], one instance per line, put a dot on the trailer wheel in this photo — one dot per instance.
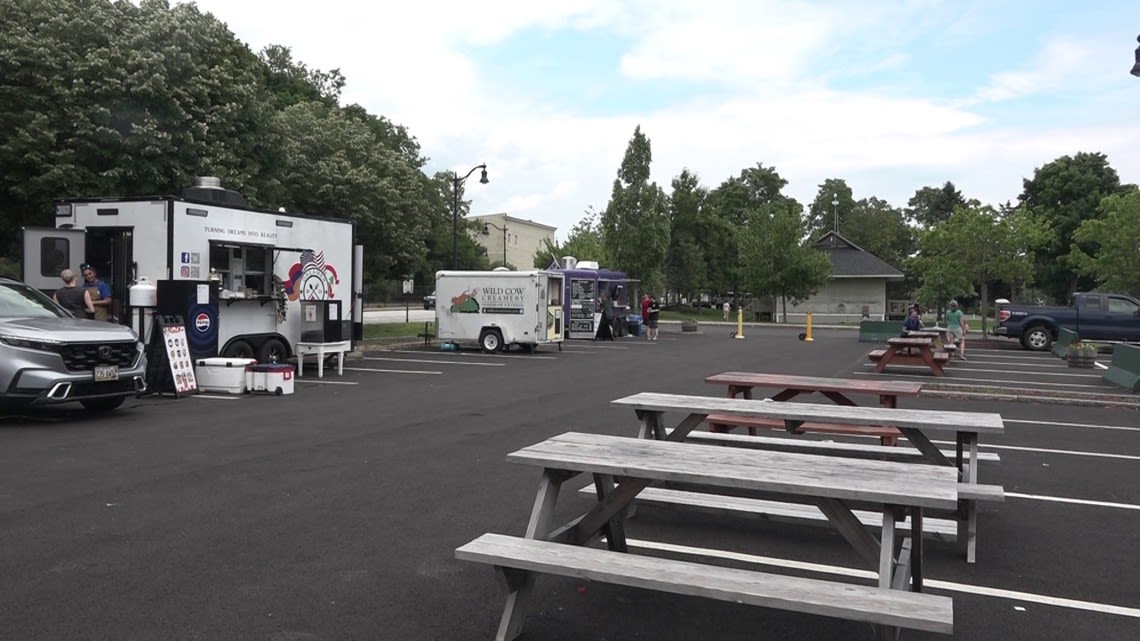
[527, 348]
[272, 351]
[238, 349]
[491, 340]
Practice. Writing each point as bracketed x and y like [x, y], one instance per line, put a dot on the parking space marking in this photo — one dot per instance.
[956, 379]
[529, 357]
[1082, 425]
[949, 586]
[393, 371]
[1065, 373]
[216, 397]
[324, 382]
[1065, 499]
[436, 362]
[1042, 450]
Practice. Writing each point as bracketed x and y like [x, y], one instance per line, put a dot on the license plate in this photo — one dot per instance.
[106, 373]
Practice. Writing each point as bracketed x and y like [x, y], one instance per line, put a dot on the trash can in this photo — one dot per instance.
[633, 323]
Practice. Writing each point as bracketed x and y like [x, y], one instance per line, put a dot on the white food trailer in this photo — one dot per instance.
[237, 275]
[499, 308]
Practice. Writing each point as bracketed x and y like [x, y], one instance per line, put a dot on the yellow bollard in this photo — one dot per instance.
[740, 322]
[807, 337]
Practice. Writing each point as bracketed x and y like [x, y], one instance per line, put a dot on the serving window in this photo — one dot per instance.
[242, 268]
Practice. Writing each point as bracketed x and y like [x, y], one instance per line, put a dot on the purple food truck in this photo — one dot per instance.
[585, 282]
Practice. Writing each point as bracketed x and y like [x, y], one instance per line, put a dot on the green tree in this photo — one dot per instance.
[686, 266]
[971, 249]
[1115, 234]
[775, 259]
[584, 243]
[879, 228]
[1065, 193]
[635, 224]
[932, 205]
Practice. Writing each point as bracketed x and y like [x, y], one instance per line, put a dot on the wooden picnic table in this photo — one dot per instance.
[791, 386]
[901, 351]
[915, 425]
[623, 467]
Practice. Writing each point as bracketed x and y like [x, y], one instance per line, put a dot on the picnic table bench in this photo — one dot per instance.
[622, 468]
[791, 386]
[915, 425]
[901, 351]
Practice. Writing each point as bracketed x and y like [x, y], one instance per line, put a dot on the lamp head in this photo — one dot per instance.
[483, 178]
[486, 230]
[1136, 67]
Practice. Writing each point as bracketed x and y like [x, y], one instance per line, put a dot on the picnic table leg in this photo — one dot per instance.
[614, 529]
[916, 549]
[746, 392]
[968, 509]
[930, 452]
[887, 549]
[928, 358]
[887, 356]
[840, 515]
[520, 585]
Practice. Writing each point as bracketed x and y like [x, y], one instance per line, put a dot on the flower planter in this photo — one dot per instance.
[1086, 360]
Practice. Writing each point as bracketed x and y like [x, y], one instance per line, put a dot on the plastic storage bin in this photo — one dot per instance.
[225, 375]
[270, 378]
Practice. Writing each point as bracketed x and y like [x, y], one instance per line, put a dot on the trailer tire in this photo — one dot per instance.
[491, 340]
[527, 348]
[272, 351]
[238, 349]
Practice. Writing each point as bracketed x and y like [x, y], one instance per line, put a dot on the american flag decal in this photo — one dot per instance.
[311, 258]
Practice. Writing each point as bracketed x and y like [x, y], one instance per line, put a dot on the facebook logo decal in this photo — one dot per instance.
[185, 257]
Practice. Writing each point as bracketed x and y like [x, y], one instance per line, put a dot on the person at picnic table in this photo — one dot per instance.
[956, 327]
[913, 320]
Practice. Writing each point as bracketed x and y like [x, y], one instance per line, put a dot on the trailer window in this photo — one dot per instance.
[53, 255]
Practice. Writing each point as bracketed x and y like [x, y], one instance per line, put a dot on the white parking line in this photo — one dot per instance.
[1063, 499]
[957, 378]
[482, 355]
[392, 371]
[425, 360]
[1042, 450]
[1066, 374]
[1082, 425]
[321, 381]
[949, 586]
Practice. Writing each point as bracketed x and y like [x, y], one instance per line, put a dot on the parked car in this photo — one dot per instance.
[48, 356]
[429, 301]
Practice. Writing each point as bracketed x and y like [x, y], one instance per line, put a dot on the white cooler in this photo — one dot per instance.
[226, 375]
[270, 378]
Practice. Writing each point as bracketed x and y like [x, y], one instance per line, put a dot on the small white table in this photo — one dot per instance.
[321, 350]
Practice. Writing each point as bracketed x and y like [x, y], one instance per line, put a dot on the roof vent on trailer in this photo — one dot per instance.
[208, 189]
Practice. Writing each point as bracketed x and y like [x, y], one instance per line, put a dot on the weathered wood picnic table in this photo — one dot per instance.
[915, 425]
[901, 351]
[624, 467]
[838, 390]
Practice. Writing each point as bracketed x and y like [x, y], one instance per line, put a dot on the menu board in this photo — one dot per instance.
[582, 303]
[178, 355]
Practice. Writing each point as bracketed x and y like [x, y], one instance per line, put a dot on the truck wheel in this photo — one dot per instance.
[272, 351]
[1037, 338]
[491, 340]
[238, 349]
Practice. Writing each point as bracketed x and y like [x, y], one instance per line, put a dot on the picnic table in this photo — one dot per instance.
[623, 467]
[791, 386]
[915, 425]
[901, 351]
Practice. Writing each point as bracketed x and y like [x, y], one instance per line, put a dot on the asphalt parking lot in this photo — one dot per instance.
[334, 513]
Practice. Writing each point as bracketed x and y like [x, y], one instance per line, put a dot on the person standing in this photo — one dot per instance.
[605, 330]
[654, 316]
[100, 292]
[726, 307]
[645, 313]
[956, 327]
[72, 297]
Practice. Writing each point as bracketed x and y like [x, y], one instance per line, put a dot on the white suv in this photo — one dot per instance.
[48, 356]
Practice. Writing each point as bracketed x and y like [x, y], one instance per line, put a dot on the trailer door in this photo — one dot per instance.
[47, 252]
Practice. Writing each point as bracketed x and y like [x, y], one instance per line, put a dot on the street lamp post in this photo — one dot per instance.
[1136, 67]
[456, 182]
[487, 232]
[835, 210]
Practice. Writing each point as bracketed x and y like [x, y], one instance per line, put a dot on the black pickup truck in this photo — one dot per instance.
[1094, 316]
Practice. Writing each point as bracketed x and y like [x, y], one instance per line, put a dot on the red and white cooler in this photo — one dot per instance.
[269, 378]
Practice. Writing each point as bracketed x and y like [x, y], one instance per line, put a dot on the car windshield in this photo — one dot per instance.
[20, 301]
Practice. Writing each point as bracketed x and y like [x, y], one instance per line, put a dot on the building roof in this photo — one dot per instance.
[848, 260]
[506, 218]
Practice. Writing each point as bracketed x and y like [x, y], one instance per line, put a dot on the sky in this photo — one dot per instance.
[890, 96]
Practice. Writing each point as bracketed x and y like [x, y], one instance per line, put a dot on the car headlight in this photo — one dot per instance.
[27, 343]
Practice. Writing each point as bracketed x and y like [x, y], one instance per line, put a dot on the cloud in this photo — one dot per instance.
[1055, 66]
